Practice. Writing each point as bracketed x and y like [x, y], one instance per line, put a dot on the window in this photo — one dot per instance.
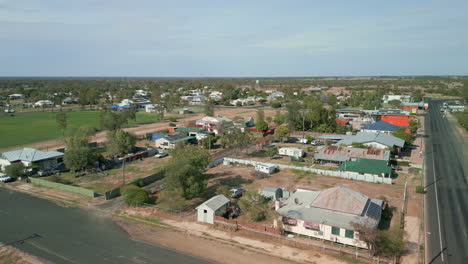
[205, 211]
[335, 231]
[349, 233]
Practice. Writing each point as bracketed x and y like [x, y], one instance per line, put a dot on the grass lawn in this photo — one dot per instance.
[30, 128]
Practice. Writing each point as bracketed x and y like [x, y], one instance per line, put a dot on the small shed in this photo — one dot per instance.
[215, 206]
[273, 193]
[265, 168]
[292, 152]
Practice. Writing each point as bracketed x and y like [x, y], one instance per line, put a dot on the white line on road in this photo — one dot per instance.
[437, 205]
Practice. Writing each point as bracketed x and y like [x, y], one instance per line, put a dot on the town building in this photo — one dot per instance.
[337, 154]
[16, 96]
[330, 214]
[402, 98]
[273, 193]
[43, 103]
[215, 206]
[377, 140]
[170, 141]
[213, 124]
[44, 160]
[265, 168]
[367, 167]
[379, 126]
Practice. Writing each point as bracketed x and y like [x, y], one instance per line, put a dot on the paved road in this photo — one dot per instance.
[446, 199]
[73, 235]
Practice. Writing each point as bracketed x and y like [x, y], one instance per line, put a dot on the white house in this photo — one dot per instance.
[16, 96]
[197, 100]
[170, 141]
[402, 98]
[43, 103]
[45, 160]
[215, 206]
[212, 124]
[265, 168]
[272, 193]
[154, 108]
[292, 152]
[330, 214]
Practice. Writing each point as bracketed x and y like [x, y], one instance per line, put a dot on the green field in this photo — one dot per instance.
[30, 128]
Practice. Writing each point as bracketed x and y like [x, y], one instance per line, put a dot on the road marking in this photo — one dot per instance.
[437, 204]
[52, 253]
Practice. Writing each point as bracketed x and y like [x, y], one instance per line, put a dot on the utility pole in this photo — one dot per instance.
[123, 172]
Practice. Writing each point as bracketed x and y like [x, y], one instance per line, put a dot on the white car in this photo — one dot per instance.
[9, 111]
[161, 155]
[4, 178]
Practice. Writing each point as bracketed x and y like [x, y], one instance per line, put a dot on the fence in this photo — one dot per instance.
[139, 181]
[63, 187]
[343, 174]
[279, 235]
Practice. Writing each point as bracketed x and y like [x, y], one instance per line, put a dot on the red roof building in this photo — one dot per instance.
[397, 120]
[341, 122]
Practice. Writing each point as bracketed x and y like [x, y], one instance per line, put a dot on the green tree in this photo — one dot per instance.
[120, 142]
[279, 118]
[209, 141]
[394, 103]
[134, 195]
[276, 104]
[224, 190]
[209, 108]
[282, 132]
[254, 205]
[234, 138]
[61, 119]
[78, 153]
[261, 125]
[401, 133]
[271, 152]
[15, 170]
[185, 172]
[112, 121]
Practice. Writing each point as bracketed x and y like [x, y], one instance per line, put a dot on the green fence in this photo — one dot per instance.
[63, 187]
[139, 182]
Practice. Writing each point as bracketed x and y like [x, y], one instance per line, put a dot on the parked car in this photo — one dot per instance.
[316, 143]
[303, 141]
[5, 178]
[161, 155]
[237, 192]
[9, 111]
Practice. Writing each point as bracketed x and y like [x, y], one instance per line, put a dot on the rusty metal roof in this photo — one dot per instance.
[341, 199]
[336, 153]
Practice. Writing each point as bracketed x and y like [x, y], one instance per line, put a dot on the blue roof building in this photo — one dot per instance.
[379, 126]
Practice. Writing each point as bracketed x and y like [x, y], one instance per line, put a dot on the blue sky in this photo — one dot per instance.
[203, 38]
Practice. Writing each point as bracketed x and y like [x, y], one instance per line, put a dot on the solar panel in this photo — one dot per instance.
[374, 211]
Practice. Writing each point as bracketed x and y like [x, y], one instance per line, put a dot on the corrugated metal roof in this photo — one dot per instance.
[300, 206]
[215, 202]
[341, 154]
[380, 126]
[30, 155]
[366, 166]
[189, 129]
[177, 138]
[379, 137]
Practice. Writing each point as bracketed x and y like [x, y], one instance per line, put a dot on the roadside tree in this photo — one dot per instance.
[15, 170]
[134, 195]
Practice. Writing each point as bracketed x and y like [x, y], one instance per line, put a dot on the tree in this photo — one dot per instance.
[209, 108]
[413, 126]
[120, 142]
[261, 125]
[282, 132]
[271, 152]
[78, 153]
[134, 195]
[224, 190]
[255, 205]
[234, 138]
[394, 103]
[112, 120]
[260, 115]
[279, 118]
[368, 234]
[401, 133]
[276, 104]
[15, 170]
[61, 119]
[185, 172]
[209, 141]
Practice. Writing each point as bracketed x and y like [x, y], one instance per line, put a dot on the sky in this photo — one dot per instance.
[242, 38]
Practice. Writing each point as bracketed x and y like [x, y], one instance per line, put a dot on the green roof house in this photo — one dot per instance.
[367, 166]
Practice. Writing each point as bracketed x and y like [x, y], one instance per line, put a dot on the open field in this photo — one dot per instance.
[30, 128]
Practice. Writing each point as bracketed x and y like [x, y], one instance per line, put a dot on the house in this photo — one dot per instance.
[244, 122]
[292, 152]
[154, 136]
[337, 154]
[411, 106]
[367, 167]
[69, 100]
[275, 95]
[198, 133]
[16, 96]
[242, 102]
[155, 108]
[402, 98]
[45, 160]
[170, 141]
[265, 168]
[379, 126]
[216, 95]
[342, 122]
[315, 90]
[215, 206]
[197, 100]
[43, 103]
[273, 193]
[184, 111]
[330, 214]
[377, 140]
[213, 124]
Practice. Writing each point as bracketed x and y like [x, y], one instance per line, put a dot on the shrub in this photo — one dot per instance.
[138, 182]
[172, 125]
[420, 189]
[172, 118]
[15, 170]
[134, 195]
[276, 104]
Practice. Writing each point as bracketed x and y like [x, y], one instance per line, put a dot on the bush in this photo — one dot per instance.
[15, 170]
[134, 195]
[172, 118]
[138, 182]
[420, 189]
[172, 125]
[276, 104]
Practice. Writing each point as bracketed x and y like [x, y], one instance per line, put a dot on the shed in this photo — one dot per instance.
[272, 192]
[215, 206]
[265, 168]
[292, 152]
